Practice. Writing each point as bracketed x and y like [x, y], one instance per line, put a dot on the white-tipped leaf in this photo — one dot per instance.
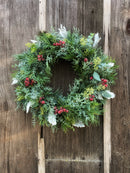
[99, 97]
[14, 81]
[108, 94]
[52, 118]
[111, 64]
[62, 31]
[79, 124]
[96, 39]
[29, 104]
[33, 41]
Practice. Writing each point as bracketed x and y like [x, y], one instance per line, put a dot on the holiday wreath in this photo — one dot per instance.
[95, 73]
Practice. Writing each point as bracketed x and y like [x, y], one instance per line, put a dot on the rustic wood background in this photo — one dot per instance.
[120, 49]
[75, 152]
[18, 139]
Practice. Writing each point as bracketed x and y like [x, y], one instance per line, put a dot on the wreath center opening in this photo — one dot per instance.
[63, 76]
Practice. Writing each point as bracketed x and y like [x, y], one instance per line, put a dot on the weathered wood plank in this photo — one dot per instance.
[87, 143]
[84, 14]
[67, 166]
[107, 107]
[120, 49]
[42, 15]
[18, 139]
[41, 153]
[41, 145]
[107, 136]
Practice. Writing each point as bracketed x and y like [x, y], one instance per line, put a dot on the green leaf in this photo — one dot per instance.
[96, 76]
[48, 69]
[88, 106]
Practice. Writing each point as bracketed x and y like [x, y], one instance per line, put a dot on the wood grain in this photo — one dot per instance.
[41, 153]
[63, 76]
[42, 15]
[18, 139]
[120, 49]
[107, 106]
[86, 144]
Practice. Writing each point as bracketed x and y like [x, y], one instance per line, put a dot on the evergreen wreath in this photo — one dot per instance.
[95, 73]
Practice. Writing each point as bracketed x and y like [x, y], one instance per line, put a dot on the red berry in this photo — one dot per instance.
[43, 102]
[61, 107]
[67, 111]
[54, 44]
[106, 85]
[91, 99]
[59, 112]
[91, 77]
[42, 59]
[64, 110]
[105, 81]
[93, 96]
[56, 110]
[32, 82]
[63, 42]
[39, 59]
[102, 79]
[39, 56]
[26, 83]
[27, 78]
[40, 98]
[55, 107]
[85, 59]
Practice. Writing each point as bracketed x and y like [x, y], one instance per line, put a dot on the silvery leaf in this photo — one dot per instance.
[108, 94]
[34, 41]
[79, 124]
[62, 31]
[111, 64]
[99, 97]
[15, 81]
[52, 118]
[96, 40]
[29, 104]
[96, 76]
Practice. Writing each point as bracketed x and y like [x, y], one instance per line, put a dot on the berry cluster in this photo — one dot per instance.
[85, 59]
[60, 111]
[104, 82]
[40, 58]
[28, 82]
[61, 43]
[91, 97]
[41, 100]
